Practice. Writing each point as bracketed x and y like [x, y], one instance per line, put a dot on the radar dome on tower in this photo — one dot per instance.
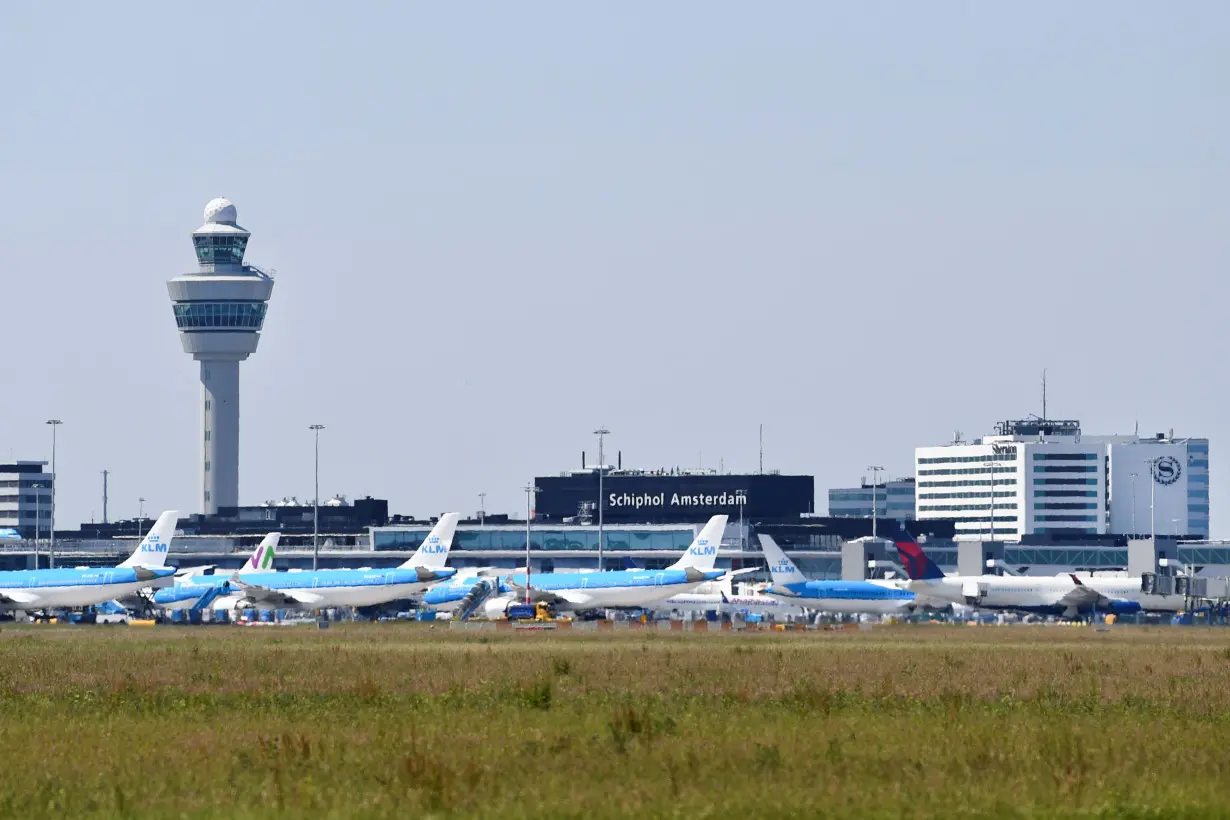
[221, 210]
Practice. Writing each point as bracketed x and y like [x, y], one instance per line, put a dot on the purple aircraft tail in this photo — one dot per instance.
[917, 565]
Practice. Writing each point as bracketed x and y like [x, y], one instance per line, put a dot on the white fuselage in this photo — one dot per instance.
[1129, 590]
[325, 597]
[75, 596]
[732, 604]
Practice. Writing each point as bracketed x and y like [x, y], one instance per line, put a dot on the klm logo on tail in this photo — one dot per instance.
[703, 548]
[432, 546]
[783, 567]
[153, 544]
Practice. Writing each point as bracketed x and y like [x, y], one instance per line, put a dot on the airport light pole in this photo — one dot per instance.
[38, 498]
[875, 481]
[316, 428]
[482, 509]
[992, 465]
[530, 492]
[1133, 475]
[1152, 462]
[55, 479]
[601, 433]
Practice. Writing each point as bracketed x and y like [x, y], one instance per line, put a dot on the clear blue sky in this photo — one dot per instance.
[499, 225]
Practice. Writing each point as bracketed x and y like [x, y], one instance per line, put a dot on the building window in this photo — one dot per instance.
[1083, 518]
[1065, 481]
[1065, 456]
[1075, 468]
[242, 315]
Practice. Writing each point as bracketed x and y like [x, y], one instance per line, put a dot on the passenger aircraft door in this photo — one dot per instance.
[661, 580]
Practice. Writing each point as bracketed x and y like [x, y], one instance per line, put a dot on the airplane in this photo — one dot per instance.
[843, 597]
[1064, 595]
[320, 589]
[188, 591]
[723, 600]
[42, 589]
[575, 591]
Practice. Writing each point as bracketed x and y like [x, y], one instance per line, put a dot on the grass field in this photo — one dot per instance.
[400, 720]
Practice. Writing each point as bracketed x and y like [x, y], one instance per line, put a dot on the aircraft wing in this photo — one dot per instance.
[272, 597]
[732, 573]
[571, 598]
[1085, 596]
[17, 596]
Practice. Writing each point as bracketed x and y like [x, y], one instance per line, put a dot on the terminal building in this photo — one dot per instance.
[1043, 477]
[892, 500]
[25, 498]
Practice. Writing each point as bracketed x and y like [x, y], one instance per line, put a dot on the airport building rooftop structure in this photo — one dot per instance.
[220, 311]
[1044, 477]
[25, 498]
[894, 500]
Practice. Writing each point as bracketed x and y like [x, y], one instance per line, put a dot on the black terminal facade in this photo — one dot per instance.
[671, 496]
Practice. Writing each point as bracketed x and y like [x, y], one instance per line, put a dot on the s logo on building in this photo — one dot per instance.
[1166, 470]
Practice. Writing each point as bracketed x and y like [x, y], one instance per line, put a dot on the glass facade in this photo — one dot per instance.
[220, 250]
[245, 315]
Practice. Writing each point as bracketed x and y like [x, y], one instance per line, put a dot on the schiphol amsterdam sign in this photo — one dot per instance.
[636, 501]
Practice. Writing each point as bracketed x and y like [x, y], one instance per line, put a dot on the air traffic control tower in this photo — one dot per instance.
[219, 310]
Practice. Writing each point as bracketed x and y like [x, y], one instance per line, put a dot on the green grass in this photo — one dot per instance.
[401, 720]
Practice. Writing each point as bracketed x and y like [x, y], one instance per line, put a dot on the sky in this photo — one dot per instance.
[498, 226]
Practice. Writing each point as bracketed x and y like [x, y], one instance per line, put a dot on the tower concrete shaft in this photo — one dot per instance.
[220, 310]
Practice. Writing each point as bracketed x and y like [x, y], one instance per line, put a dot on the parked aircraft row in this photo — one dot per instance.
[690, 583]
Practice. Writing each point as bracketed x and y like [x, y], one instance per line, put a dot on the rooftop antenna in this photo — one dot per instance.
[762, 449]
[105, 473]
[1044, 417]
[956, 437]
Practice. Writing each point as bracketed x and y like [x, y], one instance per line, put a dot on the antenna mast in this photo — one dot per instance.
[762, 449]
[105, 473]
[1044, 394]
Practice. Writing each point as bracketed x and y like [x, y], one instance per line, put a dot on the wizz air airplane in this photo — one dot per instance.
[350, 587]
[841, 597]
[728, 603]
[50, 588]
[191, 591]
[1064, 595]
[575, 591]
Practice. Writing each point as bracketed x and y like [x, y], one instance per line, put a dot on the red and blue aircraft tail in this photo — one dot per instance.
[917, 565]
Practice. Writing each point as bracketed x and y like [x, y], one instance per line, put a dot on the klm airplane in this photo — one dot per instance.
[198, 591]
[573, 591]
[842, 597]
[350, 587]
[51, 588]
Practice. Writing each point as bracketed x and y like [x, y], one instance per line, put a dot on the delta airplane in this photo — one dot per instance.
[189, 590]
[573, 591]
[1065, 595]
[351, 587]
[85, 586]
[844, 597]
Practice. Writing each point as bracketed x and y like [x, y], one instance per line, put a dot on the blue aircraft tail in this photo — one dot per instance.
[629, 563]
[917, 565]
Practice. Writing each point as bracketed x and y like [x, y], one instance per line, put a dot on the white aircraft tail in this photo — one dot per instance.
[703, 552]
[433, 552]
[152, 551]
[262, 556]
[781, 569]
